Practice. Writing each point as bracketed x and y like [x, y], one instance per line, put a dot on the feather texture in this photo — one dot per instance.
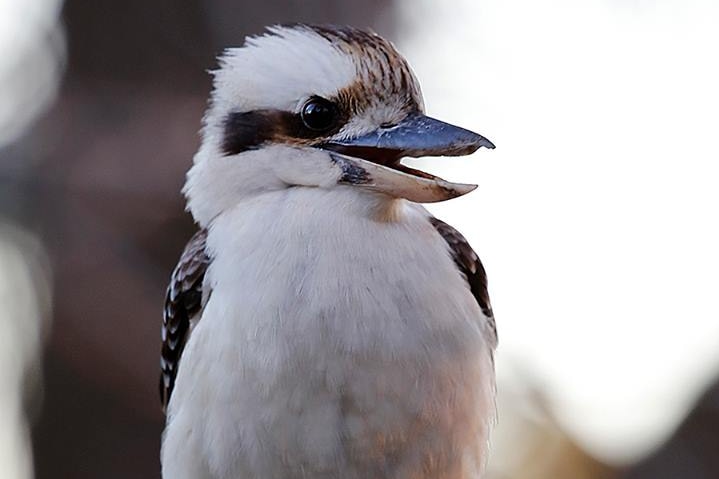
[470, 266]
[183, 305]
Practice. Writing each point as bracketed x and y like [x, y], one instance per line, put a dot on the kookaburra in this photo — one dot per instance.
[321, 323]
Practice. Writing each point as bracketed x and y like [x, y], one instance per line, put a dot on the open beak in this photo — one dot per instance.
[373, 160]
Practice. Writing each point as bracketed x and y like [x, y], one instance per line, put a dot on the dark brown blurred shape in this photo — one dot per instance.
[693, 450]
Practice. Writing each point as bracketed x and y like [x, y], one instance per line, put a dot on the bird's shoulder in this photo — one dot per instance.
[470, 266]
[184, 300]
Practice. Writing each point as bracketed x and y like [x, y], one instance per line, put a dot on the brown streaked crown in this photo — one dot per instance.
[383, 73]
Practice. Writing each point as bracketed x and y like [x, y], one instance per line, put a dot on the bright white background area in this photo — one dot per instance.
[25, 299]
[31, 51]
[31, 61]
[597, 214]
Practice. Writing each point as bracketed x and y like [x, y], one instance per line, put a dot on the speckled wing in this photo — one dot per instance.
[470, 266]
[183, 306]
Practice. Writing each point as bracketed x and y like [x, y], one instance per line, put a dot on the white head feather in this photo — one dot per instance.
[280, 70]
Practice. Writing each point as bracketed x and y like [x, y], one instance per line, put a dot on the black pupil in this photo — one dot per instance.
[318, 114]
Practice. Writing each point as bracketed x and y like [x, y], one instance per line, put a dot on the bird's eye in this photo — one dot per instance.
[319, 114]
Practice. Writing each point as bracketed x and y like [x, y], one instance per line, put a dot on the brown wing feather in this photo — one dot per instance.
[470, 266]
[183, 303]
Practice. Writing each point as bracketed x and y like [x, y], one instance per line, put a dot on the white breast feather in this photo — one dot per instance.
[334, 345]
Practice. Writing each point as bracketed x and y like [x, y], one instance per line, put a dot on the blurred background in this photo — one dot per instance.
[596, 217]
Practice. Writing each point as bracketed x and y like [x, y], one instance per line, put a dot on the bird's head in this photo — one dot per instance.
[323, 107]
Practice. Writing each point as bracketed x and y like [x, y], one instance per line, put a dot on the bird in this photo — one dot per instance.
[322, 323]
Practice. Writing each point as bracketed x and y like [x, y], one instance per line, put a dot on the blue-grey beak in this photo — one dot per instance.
[372, 161]
[415, 136]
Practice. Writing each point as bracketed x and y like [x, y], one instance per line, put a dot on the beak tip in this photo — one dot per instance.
[471, 188]
[454, 190]
[484, 142]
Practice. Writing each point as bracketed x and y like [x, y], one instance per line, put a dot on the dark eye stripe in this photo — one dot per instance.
[247, 130]
[250, 130]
